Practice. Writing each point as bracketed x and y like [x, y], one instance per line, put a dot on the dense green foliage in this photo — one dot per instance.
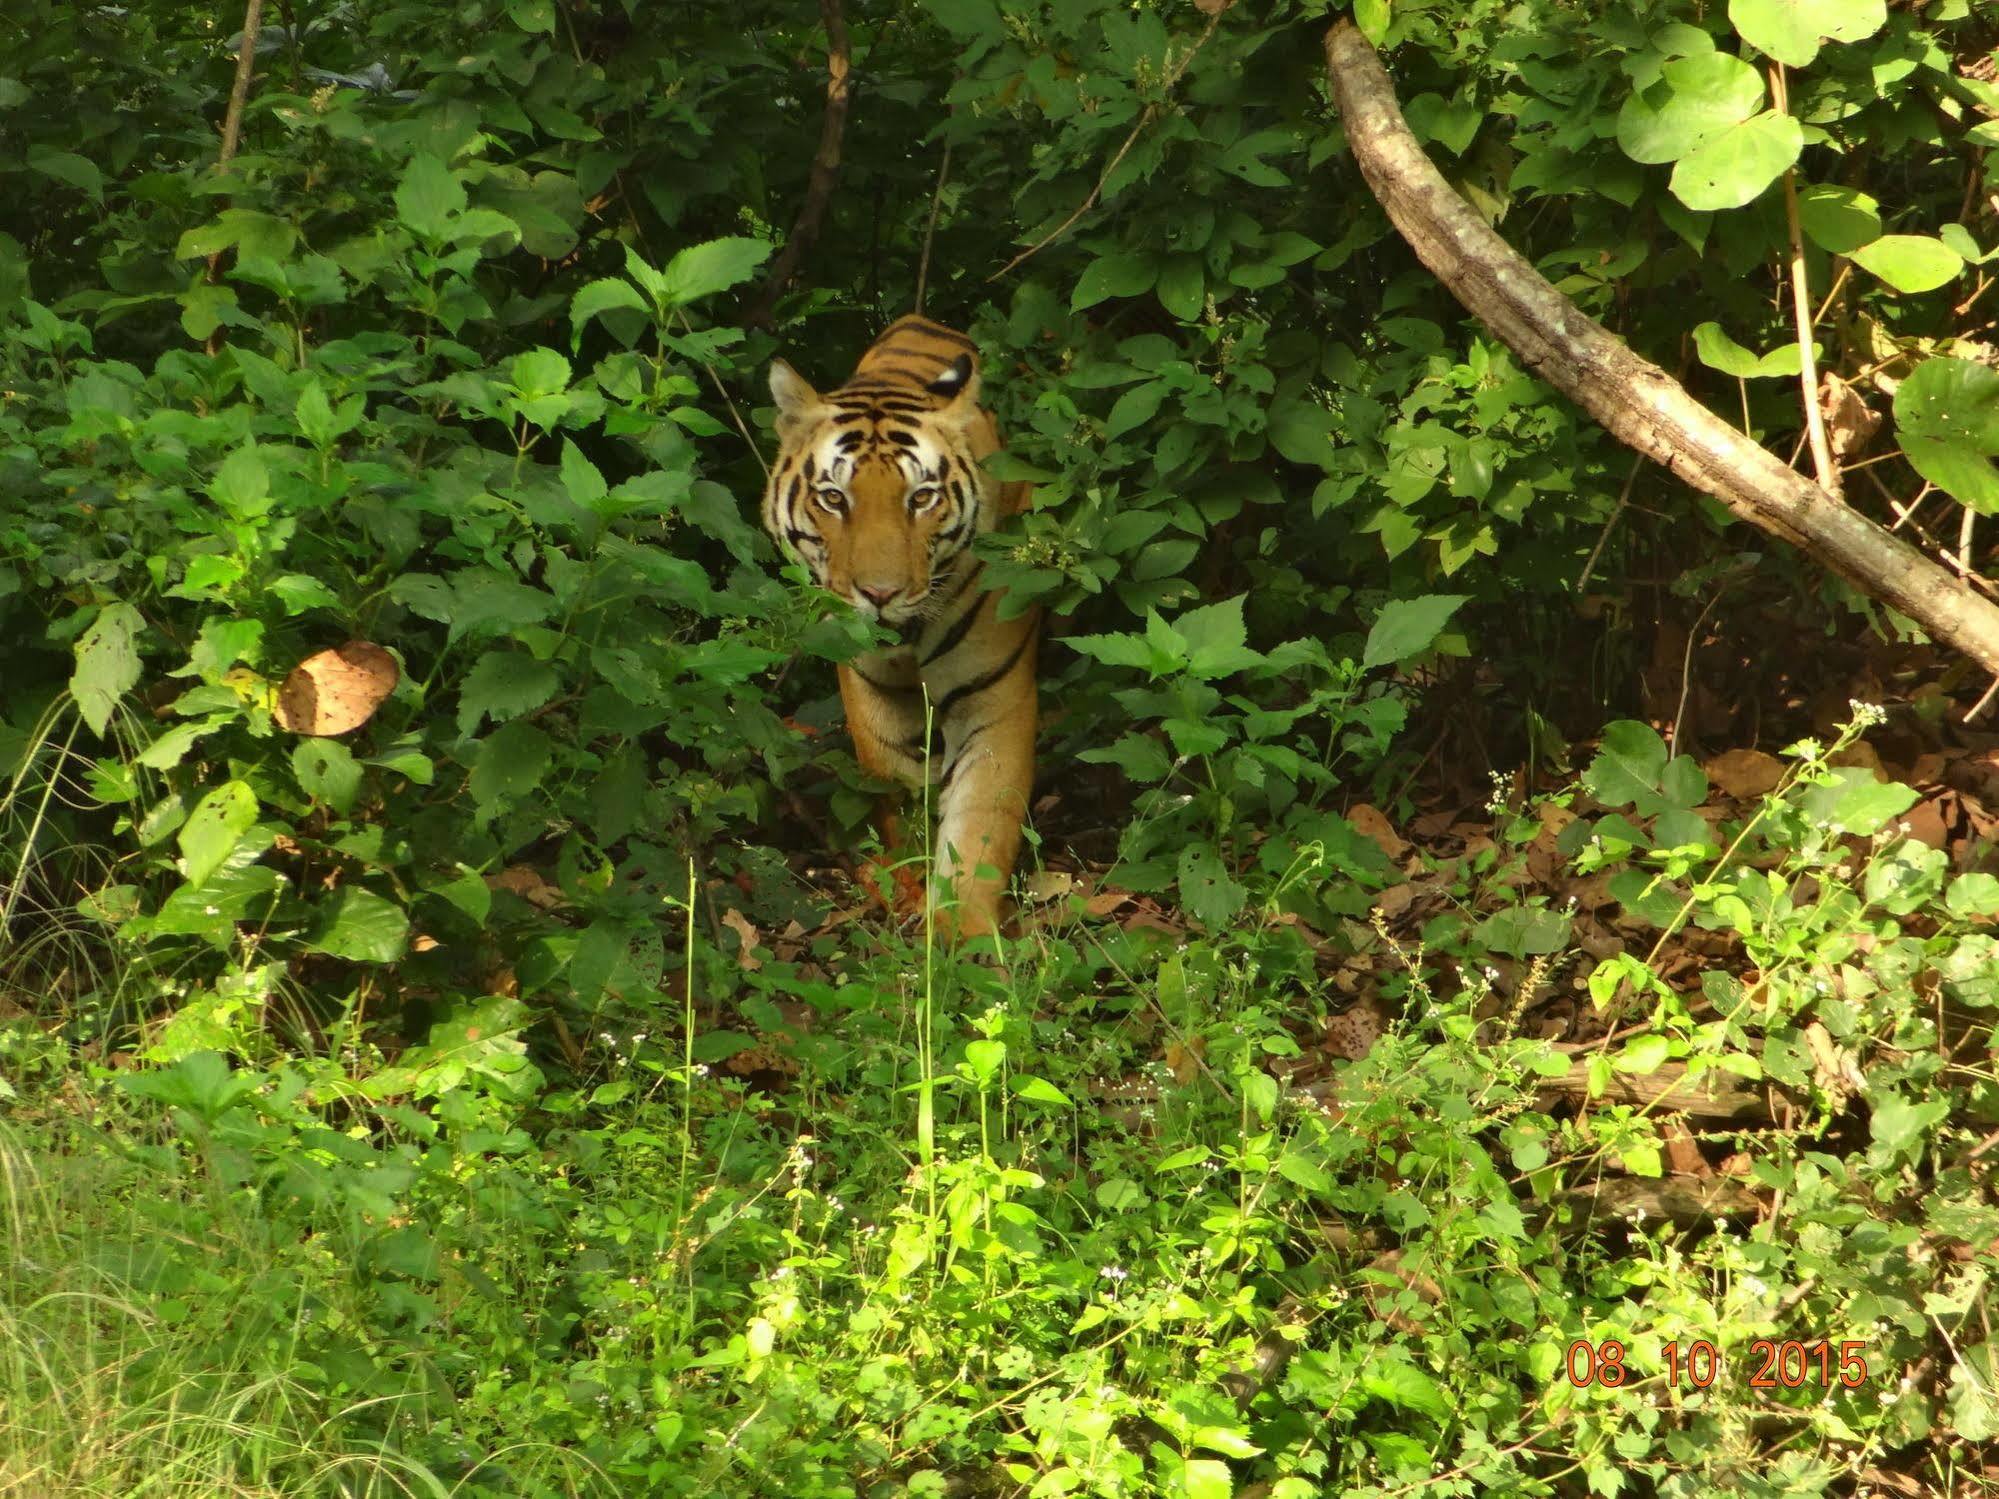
[431, 1108]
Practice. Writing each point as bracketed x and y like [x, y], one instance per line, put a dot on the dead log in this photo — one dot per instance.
[1714, 1095]
[1637, 402]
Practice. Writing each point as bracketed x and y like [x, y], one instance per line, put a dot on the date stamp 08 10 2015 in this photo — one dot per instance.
[1775, 1365]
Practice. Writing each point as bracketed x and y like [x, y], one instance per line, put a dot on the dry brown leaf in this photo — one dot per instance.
[528, 883]
[1744, 773]
[1212, 7]
[1046, 886]
[746, 932]
[1394, 900]
[1184, 1062]
[1833, 1067]
[1370, 823]
[1104, 902]
[336, 691]
[1849, 421]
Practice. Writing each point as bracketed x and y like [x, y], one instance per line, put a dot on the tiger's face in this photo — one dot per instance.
[877, 488]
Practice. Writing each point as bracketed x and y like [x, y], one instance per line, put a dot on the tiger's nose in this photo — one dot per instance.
[881, 595]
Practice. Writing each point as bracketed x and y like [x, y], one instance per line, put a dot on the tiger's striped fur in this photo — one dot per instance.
[878, 489]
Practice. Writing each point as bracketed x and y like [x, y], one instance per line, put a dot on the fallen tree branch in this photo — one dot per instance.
[1635, 400]
[825, 171]
[1714, 1095]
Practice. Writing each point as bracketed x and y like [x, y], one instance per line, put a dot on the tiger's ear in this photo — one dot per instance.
[959, 384]
[797, 401]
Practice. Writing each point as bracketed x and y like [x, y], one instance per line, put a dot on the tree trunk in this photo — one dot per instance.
[1636, 401]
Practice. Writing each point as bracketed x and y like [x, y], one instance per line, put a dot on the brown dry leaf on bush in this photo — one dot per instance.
[1744, 773]
[336, 691]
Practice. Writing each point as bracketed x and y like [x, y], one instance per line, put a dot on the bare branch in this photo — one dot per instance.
[824, 175]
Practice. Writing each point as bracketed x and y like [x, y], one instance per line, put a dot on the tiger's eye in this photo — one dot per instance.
[924, 498]
[830, 499]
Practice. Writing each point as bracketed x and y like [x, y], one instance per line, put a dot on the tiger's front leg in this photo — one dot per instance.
[989, 726]
[883, 695]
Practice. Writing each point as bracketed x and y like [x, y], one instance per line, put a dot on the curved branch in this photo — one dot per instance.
[825, 171]
[1637, 402]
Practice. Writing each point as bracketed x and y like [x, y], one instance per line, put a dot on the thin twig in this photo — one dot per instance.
[1801, 310]
[232, 129]
[930, 227]
[1976, 709]
[825, 170]
[1687, 671]
[1150, 113]
[1964, 542]
[1623, 499]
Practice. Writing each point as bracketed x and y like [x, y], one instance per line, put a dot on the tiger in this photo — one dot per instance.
[878, 489]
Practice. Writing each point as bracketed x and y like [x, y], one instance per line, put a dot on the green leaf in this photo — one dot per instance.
[1789, 30]
[327, 771]
[1134, 408]
[1391, 1379]
[1720, 352]
[1734, 167]
[509, 765]
[1296, 1166]
[214, 828]
[702, 270]
[1854, 802]
[363, 928]
[1628, 766]
[581, 480]
[1973, 895]
[1694, 99]
[540, 372]
[1947, 418]
[1910, 262]
[1838, 219]
[66, 166]
[1183, 287]
[1215, 636]
[429, 196]
[608, 294]
[1207, 892]
[1113, 650]
[1111, 276]
[1302, 432]
[1408, 627]
[1899, 1126]
[1524, 931]
[1645, 1054]
[242, 485]
[1040, 1090]
[107, 664]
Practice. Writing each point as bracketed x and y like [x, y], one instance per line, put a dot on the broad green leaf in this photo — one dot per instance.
[1040, 1090]
[79, 172]
[214, 828]
[1899, 1126]
[1790, 30]
[327, 771]
[1523, 931]
[1720, 352]
[984, 1057]
[608, 294]
[1910, 262]
[1839, 219]
[540, 372]
[429, 196]
[363, 927]
[107, 664]
[1183, 287]
[1207, 892]
[509, 765]
[1854, 802]
[1947, 417]
[1134, 408]
[1408, 627]
[1693, 100]
[1973, 895]
[1111, 276]
[1394, 1381]
[242, 485]
[1645, 1054]
[1734, 167]
[1302, 431]
[702, 270]
[581, 480]
[1628, 766]
[1215, 636]
[1113, 650]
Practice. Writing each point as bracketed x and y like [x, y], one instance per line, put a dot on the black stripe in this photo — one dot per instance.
[965, 582]
[956, 633]
[966, 689]
[797, 537]
[880, 686]
[959, 758]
